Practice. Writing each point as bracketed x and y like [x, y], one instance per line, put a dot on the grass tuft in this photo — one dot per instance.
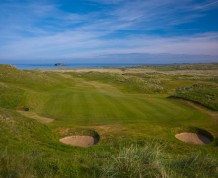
[136, 161]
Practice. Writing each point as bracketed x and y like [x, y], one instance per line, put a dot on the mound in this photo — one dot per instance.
[194, 138]
[81, 141]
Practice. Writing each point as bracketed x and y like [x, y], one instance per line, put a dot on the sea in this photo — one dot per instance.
[67, 66]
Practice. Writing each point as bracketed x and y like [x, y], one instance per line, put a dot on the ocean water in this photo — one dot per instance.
[52, 66]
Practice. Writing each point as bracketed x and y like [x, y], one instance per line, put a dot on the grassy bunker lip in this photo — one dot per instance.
[195, 136]
[80, 138]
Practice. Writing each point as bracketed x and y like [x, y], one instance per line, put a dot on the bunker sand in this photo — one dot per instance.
[193, 138]
[80, 141]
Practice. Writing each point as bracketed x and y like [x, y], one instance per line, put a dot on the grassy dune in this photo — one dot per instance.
[206, 95]
[130, 108]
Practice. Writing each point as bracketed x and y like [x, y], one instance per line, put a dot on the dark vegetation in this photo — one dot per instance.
[206, 95]
[176, 67]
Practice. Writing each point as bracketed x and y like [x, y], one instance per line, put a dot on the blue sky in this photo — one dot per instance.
[104, 31]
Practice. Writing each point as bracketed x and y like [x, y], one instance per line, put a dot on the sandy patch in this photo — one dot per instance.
[117, 70]
[193, 138]
[80, 141]
[35, 116]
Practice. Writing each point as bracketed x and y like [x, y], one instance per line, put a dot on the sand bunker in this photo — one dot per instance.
[24, 109]
[194, 138]
[81, 141]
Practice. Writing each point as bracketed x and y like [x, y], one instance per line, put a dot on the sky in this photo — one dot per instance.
[109, 31]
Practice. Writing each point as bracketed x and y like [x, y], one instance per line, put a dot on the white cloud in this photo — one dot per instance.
[43, 30]
[83, 44]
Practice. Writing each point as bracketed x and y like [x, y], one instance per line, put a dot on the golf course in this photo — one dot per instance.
[142, 121]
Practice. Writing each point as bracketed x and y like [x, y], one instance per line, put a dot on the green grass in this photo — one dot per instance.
[130, 111]
[206, 95]
[176, 67]
[128, 82]
[151, 161]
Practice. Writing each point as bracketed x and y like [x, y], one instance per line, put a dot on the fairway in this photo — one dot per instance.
[91, 106]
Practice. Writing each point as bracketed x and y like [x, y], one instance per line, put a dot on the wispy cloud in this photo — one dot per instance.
[206, 5]
[47, 30]
[85, 44]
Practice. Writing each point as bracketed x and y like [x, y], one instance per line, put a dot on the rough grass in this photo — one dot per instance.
[204, 94]
[135, 161]
[150, 160]
[11, 97]
[129, 83]
[178, 67]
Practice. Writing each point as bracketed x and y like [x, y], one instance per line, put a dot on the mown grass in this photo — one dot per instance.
[130, 112]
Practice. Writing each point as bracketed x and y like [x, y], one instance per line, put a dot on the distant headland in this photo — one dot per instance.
[59, 64]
